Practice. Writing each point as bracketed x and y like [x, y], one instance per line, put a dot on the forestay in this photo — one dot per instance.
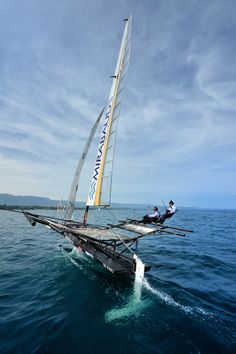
[100, 188]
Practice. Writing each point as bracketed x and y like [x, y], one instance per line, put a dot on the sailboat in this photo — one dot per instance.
[111, 245]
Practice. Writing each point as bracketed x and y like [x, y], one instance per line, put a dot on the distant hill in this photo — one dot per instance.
[10, 199]
[27, 200]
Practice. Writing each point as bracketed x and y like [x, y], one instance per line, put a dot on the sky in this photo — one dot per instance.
[177, 130]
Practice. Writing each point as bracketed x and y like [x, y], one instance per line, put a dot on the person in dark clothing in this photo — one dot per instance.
[170, 211]
[147, 219]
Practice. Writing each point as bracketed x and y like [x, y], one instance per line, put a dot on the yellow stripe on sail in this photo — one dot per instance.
[99, 184]
[100, 177]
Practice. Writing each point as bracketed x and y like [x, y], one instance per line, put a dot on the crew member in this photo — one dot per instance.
[170, 211]
[151, 217]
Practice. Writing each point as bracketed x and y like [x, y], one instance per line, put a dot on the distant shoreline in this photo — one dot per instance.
[30, 207]
[45, 207]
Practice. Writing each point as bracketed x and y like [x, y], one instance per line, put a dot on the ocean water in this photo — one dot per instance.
[58, 301]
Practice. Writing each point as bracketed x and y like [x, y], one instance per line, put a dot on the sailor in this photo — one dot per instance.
[151, 217]
[170, 211]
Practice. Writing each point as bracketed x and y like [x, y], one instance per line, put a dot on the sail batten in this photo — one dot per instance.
[100, 188]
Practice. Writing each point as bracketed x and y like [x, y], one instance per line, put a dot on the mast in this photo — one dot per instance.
[100, 188]
[74, 186]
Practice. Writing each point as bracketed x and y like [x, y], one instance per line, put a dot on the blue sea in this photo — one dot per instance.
[55, 300]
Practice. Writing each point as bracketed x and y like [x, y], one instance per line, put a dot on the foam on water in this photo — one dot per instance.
[135, 303]
[133, 307]
[71, 255]
[170, 301]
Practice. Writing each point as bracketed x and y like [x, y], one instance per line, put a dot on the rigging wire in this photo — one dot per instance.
[117, 235]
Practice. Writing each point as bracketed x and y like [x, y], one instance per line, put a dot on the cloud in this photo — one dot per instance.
[177, 123]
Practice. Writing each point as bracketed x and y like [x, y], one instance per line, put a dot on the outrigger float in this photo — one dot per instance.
[113, 245]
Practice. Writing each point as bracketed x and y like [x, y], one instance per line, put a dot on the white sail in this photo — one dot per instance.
[100, 188]
[74, 186]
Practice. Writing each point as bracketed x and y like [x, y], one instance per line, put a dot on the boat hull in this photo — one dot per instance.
[113, 254]
[108, 258]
